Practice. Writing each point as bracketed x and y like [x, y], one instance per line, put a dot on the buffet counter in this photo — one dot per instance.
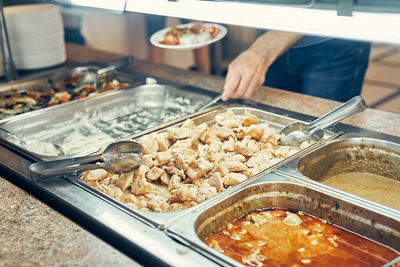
[34, 233]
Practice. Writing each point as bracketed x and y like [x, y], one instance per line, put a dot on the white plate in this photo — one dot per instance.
[158, 37]
[39, 61]
[38, 40]
[42, 27]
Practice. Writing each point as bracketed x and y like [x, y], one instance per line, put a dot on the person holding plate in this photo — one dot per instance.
[319, 66]
[201, 55]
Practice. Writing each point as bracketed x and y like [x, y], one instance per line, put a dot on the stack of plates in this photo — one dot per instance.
[36, 35]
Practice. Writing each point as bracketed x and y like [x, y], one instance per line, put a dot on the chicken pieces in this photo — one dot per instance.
[186, 165]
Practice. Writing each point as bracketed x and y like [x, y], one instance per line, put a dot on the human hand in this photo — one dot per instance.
[246, 74]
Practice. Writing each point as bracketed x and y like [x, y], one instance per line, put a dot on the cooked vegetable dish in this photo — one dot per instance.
[279, 237]
[13, 102]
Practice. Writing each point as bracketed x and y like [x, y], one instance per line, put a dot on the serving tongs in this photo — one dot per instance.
[93, 77]
[298, 132]
[119, 157]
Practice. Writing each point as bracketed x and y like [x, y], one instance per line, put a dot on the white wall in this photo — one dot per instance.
[125, 34]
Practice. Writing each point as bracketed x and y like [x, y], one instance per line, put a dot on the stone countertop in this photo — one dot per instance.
[32, 233]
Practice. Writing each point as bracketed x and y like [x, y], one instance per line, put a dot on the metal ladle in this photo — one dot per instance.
[119, 157]
[298, 132]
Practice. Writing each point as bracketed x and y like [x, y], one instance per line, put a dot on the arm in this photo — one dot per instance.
[246, 73]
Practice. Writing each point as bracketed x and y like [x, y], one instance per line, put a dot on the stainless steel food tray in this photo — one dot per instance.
[82, 126]
[163, 220]
[43, 82]
[281, 191]
[130, 233]
[348, 153]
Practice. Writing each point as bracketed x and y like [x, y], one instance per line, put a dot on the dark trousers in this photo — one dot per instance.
[333, 69]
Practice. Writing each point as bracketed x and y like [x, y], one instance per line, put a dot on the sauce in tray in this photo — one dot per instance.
[280, 237]
[374, 187]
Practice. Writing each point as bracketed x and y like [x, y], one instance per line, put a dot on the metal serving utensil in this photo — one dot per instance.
[212, 102]
[93, 77]
[298, 132]
[119, 157]
[14, 136]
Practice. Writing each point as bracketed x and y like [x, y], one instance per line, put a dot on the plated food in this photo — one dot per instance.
[186, 165]
[188, 36]
[13, 102]
[281, 237]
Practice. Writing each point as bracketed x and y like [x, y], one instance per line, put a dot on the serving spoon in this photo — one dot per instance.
[119, 157]
[298, 132]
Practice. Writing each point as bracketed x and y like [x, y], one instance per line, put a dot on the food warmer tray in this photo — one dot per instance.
[143, 241]
[350, 153]
[163, 219]
[82, 126]
[281, 191]
[43, 81]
